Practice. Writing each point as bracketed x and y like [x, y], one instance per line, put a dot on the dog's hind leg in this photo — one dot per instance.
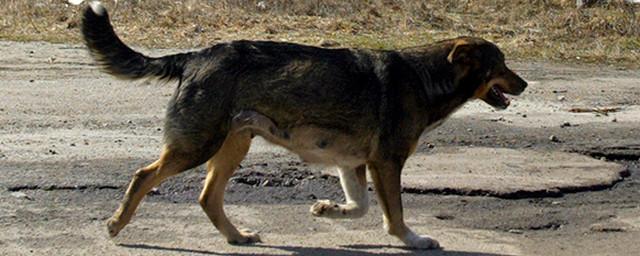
[220, 169]
[386, 178]
[173, 160]
[354, 184]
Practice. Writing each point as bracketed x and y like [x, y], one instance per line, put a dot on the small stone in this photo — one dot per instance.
[515, 231]
[469, 130]
[31, 80]
[614, 120]
[554, 138]
[524, 115]
[154, 191]
[429, 145]
[21, 195]
[565, 124]
[562, 98]
[328, 43]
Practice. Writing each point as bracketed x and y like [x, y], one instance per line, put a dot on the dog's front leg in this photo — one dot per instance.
[386, 178]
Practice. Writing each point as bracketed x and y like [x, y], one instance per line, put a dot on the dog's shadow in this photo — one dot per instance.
[300, 250]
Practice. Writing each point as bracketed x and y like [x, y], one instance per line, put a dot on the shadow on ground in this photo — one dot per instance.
[299, 250]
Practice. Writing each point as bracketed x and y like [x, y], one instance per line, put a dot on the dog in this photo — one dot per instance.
[355, 109]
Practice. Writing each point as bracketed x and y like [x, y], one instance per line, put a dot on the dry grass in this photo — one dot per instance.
[526, 29]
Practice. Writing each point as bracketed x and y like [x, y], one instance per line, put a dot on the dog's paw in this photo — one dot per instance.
[113, 228]
[421, 242]
[324, 208]
[245, 237]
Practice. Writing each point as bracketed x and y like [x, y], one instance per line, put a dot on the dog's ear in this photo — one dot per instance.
[463, 53]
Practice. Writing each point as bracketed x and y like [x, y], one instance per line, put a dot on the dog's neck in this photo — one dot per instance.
[441, 93]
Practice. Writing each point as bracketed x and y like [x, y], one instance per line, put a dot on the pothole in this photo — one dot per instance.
[507, 173]
[613, 153]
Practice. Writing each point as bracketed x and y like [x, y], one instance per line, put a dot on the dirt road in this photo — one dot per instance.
[71, 137]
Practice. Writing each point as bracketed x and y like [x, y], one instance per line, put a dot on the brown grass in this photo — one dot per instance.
[547, 30]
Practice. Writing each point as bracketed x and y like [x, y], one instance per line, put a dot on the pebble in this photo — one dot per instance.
[154, 191]
[328, 43]
[614, 120]
[562, 98]
[553, 138]
[515, 231]
[565, 124]
[21, 195]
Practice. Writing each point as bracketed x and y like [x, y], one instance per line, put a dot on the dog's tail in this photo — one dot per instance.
[118, 59]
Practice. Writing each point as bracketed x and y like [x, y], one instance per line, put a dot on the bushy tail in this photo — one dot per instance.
[118, 59]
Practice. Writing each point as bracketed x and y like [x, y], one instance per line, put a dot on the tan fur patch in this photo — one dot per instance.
[482, 91]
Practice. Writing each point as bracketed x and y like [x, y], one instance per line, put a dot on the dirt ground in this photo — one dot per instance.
[71, 137]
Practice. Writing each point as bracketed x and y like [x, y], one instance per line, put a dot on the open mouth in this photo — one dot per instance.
[495, 97]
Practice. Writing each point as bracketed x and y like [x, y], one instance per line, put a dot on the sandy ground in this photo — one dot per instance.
[71, 137]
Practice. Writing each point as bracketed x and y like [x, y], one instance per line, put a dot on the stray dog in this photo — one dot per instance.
[356, 109]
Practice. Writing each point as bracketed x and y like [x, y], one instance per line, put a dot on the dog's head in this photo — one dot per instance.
[479, 65]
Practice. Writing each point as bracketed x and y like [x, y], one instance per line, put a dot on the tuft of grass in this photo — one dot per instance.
[547, 30]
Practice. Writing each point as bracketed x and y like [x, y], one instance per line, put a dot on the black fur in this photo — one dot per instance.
[120, 60]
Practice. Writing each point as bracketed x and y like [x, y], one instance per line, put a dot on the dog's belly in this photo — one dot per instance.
[312, 144]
